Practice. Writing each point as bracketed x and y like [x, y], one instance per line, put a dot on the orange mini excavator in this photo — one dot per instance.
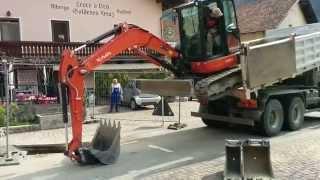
[73, 71]
[196, 52]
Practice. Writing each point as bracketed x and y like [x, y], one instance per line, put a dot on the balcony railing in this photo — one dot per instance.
[51, 51]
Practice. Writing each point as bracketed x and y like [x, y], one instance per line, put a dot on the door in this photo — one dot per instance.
[231, 27]
[191, 45]
[60, 31]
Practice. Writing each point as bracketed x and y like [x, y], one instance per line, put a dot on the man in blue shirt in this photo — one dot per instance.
[116, 92]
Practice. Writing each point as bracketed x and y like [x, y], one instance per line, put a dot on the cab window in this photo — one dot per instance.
[190, 33]
[231, 28]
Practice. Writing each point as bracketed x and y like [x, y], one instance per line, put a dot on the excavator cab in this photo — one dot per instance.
[202, 30]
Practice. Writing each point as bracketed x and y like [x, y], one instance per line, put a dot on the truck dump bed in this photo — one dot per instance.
[283, 54]
[268, 61]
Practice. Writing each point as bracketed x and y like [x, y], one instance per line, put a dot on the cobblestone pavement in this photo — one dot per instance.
[295, 155]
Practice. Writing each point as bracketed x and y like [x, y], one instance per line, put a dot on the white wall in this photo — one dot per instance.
[36, 15]
[251, 36]
[294, 18]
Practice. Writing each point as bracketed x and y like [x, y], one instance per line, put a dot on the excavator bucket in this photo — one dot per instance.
[233, 160]
[256, 160]
[105, 145]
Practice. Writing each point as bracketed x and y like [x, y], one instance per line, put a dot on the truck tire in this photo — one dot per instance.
[294, 114]
[272, 118]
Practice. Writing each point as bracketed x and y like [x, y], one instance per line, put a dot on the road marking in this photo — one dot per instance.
[136, 173]
[130, 142]
[160, 148]
[160, 166]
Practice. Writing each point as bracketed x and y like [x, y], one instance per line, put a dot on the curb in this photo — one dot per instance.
[20, 129]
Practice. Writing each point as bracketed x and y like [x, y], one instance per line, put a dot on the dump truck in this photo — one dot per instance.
[267, 83]
[278, 80]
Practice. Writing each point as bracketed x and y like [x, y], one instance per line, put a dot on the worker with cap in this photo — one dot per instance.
[212, 24]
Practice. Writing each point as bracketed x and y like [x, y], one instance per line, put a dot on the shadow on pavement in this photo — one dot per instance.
[215, 176]
[155, 154]
[147, 127]
[201, 144]
[122, 109]
[312, 122]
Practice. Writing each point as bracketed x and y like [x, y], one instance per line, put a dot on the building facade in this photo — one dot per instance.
[74, 20]
[36, 32]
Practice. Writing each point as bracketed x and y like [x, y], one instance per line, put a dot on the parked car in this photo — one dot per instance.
[133, 97]
[25, 96]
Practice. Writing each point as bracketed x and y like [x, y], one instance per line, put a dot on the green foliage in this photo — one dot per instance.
[103, 82]
[20, 115]
[26, 114]
[2, 114]
[160, 75]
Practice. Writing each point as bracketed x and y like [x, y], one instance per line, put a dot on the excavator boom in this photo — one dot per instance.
[72, 71]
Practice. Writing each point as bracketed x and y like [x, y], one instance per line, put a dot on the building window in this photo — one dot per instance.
[60, 31]
[9, 29]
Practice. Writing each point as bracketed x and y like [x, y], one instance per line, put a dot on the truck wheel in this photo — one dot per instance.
[295, 114]
[272, 118]
[133, 104]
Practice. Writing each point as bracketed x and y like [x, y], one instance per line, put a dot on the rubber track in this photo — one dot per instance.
[218, 84]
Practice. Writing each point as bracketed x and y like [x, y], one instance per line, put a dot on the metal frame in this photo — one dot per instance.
[7, 160]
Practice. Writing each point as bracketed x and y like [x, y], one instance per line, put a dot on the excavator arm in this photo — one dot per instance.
[73, 71]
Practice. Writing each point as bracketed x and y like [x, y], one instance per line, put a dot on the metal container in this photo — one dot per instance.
[268, 61]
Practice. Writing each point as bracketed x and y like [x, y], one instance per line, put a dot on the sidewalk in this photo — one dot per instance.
[135, 124]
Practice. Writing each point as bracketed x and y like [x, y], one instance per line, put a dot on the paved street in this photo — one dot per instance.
[149, 151]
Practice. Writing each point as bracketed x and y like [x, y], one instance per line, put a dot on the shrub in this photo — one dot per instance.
[2, 114]
[160, 75]
[103, 82]
[20, 115]
[26, 114]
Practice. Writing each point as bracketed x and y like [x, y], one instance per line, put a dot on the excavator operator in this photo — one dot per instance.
[212, 24]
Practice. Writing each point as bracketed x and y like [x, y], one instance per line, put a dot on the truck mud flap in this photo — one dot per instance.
[233, 160]
[105, 145]
[256, 160]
